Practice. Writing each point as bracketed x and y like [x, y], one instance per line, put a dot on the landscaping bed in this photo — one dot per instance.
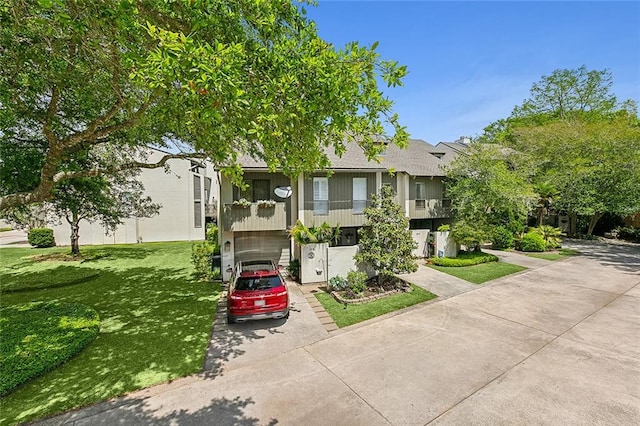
[375, 289]
[348, 314]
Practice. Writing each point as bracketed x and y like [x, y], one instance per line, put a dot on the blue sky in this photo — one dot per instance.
[471, 62]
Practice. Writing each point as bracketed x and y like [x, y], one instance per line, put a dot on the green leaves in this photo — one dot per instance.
[576, 144]
[385, 240]
[225, 78]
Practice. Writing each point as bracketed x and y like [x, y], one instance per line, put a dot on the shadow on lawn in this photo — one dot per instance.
[59, 276]
[155, 326]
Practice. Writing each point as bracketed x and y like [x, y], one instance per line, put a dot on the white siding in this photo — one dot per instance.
[175, 221]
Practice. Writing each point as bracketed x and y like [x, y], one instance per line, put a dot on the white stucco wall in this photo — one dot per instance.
[175, 220]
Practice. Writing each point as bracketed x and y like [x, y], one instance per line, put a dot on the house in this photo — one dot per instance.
[187, 192]
[448, 151]
[254, 220]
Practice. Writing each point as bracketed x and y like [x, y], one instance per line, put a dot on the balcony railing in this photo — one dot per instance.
[254, 217]
[425, 209]
[211, 210]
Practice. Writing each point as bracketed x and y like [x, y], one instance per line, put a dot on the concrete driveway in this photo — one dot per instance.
[559, 344]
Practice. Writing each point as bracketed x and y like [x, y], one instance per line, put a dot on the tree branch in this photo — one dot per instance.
[44, 190]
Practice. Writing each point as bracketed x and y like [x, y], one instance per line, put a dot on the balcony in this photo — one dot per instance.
[427, 209]
[211, 210]
[254, 217]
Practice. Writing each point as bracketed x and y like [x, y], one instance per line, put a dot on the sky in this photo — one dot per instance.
[471, 62]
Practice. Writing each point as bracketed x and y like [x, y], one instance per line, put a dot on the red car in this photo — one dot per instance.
[257, 291]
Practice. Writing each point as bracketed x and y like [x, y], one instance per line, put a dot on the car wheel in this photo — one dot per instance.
[230, 320]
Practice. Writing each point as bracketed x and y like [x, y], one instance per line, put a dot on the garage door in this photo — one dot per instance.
[261, 245]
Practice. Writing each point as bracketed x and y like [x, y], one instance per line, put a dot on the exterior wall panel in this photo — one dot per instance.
[340, 199]
[433, 200]
[175, 220]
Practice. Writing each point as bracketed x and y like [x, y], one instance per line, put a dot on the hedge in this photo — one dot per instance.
[465, 259]
[532, 241]
[41, 237]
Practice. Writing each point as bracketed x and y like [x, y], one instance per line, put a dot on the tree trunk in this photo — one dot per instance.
[540, 216]
[573, 224]
[75, 235]
[592, 224]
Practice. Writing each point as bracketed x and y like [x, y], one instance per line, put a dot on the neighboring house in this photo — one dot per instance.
[257, 230]
[448, 151]
[187, 193]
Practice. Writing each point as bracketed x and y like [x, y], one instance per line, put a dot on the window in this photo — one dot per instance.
[359, 194]
[261, 190]
[197, 214]
[246, 193]
[197, 201]
[446, 201]
[320, 195]
[197, 187]
[421, 195]
[257, 189]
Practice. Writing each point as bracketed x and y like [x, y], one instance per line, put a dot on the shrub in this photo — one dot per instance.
[37, 337]
[444, 228]
[357, 281]
[550, 235]
[532, 241]
[465, 259]
[502, 238]
[201, 257]
[41, 237]
[627, 233]
[469, 235]
[337, 283]
[293, 268]
[202, 254]
[211, 236]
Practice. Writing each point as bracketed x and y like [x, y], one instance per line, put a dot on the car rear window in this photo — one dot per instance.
[258, 283]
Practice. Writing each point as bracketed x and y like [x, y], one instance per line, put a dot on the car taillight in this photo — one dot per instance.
[234, 297]
[282, 293]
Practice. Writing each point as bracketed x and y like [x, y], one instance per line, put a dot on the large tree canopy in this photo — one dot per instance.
[579, 148]
[219, 77]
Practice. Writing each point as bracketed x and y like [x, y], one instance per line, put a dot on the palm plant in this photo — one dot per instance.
[547, 195]
[323, 233]
[550, 235]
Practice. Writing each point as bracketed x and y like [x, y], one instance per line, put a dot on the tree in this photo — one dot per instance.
[489, 187]
[547, 195]
[596, 164]
[99, 199]
[386, 242]
[209, 78]
[573, 136]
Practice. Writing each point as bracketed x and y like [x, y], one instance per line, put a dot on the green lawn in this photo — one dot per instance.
[479, 274]
[345, 315]
[38, 337]
[155, 321]
[560, 254]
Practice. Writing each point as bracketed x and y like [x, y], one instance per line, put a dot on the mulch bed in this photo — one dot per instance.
[374, 291]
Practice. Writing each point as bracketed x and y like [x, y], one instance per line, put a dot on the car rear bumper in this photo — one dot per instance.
[265, 315]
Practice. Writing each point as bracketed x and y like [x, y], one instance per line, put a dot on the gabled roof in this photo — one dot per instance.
[417, 159]
[450, 150]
